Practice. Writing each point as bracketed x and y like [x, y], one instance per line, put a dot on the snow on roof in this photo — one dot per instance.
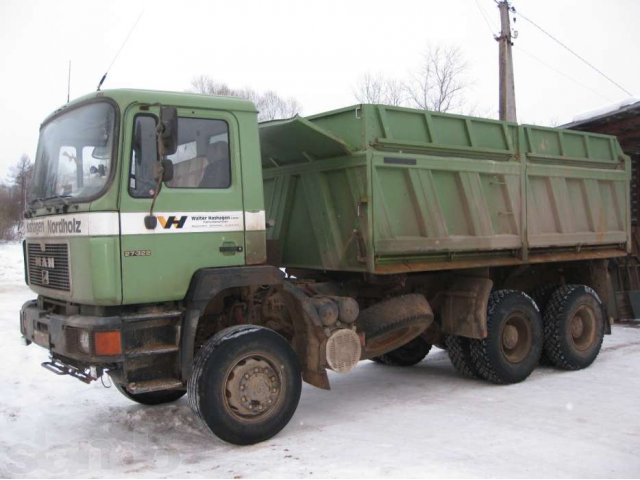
[606, 110]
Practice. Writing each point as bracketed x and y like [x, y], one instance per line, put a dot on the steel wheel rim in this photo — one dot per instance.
[516, 337]
[582, 328]
[254, 387]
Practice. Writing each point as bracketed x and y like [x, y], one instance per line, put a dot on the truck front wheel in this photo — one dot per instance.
[512, 348]
[245, 384]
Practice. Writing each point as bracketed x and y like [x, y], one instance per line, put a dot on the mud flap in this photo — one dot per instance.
[464, 309]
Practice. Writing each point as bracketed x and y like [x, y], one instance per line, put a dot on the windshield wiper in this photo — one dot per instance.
[58, 196]
[41, 201]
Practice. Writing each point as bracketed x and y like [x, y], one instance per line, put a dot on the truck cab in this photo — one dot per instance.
[111, 234]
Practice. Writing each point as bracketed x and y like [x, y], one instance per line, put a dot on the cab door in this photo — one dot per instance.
[199, 212]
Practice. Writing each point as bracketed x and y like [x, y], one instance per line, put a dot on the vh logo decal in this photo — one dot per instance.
[172, 221]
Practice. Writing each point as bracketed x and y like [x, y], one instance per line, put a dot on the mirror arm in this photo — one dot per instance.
[150, 221]
[167, 137]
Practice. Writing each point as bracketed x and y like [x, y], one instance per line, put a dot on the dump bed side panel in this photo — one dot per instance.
[577, 189]
[431, 204]
[459, 192]
[316, 215]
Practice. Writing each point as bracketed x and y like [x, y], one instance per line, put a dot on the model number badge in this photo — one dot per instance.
[137, 253]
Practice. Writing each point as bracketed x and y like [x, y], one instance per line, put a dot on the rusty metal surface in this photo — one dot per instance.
[464, 308]
[498, 262]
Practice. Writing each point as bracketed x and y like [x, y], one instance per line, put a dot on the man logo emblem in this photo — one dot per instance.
[45, 277]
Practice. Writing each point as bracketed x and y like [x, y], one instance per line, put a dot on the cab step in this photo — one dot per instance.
[155, 385]
[157, 349]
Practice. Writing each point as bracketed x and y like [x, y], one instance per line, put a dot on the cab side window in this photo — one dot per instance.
[144, 157]
[202, 159]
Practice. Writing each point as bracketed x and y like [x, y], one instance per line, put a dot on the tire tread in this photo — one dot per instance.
[400, 358]
[458, 349]
[482, 356]
[557, 308]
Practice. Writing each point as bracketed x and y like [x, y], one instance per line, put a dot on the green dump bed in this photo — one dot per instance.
[387, 190]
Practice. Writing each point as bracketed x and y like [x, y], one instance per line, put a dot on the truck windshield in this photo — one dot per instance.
[74, 154]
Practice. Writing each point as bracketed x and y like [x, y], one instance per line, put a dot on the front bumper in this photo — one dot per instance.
[69, 338]
[140, 348]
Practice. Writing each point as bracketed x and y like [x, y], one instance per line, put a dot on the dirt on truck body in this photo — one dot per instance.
[158, 252]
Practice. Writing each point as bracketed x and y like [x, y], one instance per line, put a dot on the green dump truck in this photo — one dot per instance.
[180, 247]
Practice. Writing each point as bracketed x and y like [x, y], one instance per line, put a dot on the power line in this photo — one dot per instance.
[562, 73]
[486, 20]
[551, 67]
[576, 55]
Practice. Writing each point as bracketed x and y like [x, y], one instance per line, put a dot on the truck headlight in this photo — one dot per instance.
[78, 340]
[84, 341]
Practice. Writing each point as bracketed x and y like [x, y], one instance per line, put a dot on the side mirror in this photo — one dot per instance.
[101, 153]
[167, 170]
[168, 129]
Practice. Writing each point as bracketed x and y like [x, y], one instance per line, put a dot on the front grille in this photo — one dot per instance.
[49, 268]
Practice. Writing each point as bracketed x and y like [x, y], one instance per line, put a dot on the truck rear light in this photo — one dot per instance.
[108, 343]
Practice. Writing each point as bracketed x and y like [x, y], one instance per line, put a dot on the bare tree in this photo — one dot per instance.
[21, 174]
[439, 82]
[13, 198]
[208, 86]
[7, 214]
[375, 88]
[269, 104]
[394, 93]
[436, 85]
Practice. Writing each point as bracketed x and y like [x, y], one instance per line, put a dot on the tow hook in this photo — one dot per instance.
[86, 375]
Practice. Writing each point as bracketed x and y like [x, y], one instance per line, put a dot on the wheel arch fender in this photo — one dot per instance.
[309, 337]
[208, 283]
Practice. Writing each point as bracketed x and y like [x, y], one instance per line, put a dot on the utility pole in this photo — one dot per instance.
[507, 90]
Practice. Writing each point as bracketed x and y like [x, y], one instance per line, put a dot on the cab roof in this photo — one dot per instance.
[126, 96]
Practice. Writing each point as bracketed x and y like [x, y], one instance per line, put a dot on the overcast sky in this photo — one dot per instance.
[314, 51]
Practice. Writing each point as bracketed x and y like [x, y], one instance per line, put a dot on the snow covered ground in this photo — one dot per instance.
[423, 421]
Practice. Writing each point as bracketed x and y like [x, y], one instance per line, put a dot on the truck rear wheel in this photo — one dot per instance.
[541, 295]
[407, 355]
[573, 327]
[152, 398]
[459, 351]
[512, 348]
[245, 384]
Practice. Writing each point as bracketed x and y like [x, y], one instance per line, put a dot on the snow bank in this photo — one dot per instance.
[423, 421]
